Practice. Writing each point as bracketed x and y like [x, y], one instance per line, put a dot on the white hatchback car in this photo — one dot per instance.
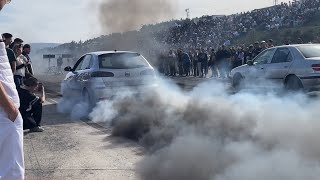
[100, 75]
[295, 67]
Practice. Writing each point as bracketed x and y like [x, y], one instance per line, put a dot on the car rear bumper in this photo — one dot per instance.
[311, 83]
[100, 94]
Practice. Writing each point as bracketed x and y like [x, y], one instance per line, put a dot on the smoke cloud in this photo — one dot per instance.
[208, 134]
[126, 15]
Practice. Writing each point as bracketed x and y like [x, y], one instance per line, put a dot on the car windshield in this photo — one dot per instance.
[122, 61]
[310, 51]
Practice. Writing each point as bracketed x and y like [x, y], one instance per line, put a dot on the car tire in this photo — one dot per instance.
[293, 83]
[86, 99]
[237, 81]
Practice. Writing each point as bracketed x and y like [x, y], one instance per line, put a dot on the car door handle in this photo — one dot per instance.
[262, 68]
[285, 67]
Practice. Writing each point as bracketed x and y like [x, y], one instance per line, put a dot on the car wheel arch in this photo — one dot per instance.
[293, 76]
[237, 77]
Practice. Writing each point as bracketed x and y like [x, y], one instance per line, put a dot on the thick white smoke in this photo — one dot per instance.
[208, 134]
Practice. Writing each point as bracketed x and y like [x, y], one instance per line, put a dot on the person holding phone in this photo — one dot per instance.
[11, 125]
[32, 95]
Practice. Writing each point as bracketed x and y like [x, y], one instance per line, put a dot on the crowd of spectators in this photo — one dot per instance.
[212, 31]
[207, 32]
[31, 92]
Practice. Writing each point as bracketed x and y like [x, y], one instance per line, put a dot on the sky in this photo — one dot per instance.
[60, 21]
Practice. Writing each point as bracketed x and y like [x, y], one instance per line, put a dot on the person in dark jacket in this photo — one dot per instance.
[31, 104]
[212, 63]
[223, 59]
[203, 58]
[26, 50]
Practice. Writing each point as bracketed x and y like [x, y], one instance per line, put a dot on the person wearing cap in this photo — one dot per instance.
[11, 124]
[264, 45]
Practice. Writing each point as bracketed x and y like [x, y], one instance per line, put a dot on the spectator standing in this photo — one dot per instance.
[172, 63]
[212, 63]
[257, 49]
[26, 51]
[198, 64]
[203, 59]
[60, 63]
[186, 64]
[22, 63]
[264, 45]
[239, 57]
[270, 43]
[12, 58]
[195, 63]
[224, 62]
[248, 55]
[180, 62]
[16, 41]
[11, 130]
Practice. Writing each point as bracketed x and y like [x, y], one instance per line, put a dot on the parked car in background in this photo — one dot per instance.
[294, 67]
[100, 75]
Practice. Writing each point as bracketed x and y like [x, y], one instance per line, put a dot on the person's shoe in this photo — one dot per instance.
[37, 129]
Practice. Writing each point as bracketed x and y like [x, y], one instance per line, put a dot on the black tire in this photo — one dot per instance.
[237, 81]
[86, 99]
[293, 83]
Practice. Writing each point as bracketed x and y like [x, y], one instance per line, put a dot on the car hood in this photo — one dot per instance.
[240, 68]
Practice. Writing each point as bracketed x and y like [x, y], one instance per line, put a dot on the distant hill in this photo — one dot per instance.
[38, 46]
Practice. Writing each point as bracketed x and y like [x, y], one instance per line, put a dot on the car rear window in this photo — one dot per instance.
[122, 61]
[310, 51]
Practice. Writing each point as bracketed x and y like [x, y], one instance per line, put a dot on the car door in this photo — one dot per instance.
[72, 76]
[280, 64]
[256, 72]
[83, 72]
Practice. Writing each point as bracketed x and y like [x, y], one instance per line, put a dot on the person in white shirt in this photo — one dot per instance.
[11, 125]
[21, 65]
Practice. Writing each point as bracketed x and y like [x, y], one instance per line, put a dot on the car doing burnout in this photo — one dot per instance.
[295, 67]
[100, 75]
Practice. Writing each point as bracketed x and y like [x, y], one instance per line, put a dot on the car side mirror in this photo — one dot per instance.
[250, 63]
[68, 69]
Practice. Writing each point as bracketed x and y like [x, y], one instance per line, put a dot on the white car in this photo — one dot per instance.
[295, 67]
[100, 75]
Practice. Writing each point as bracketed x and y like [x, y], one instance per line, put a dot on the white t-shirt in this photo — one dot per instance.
[21, 60]
[6, 79]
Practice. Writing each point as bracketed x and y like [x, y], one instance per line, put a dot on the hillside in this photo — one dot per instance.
[309, 32]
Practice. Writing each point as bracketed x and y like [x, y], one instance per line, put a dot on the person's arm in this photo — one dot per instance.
[42, 95]
[13, 65]
[7, 104]
[20, 66]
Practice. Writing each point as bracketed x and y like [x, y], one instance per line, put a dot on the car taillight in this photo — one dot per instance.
[316, 67]
[102, 74]
[147, 73]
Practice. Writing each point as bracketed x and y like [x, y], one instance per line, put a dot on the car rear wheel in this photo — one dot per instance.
[236, 81]
[293, 84]
[87, 100]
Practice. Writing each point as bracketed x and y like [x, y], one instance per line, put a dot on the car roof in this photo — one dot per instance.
[296, 45]
[98, 53]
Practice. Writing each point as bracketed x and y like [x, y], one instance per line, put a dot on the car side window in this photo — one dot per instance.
[264, 57]
[87, 62]
[77, 66]
[282, 55]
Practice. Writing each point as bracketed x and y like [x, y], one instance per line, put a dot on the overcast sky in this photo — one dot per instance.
[62, 21]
